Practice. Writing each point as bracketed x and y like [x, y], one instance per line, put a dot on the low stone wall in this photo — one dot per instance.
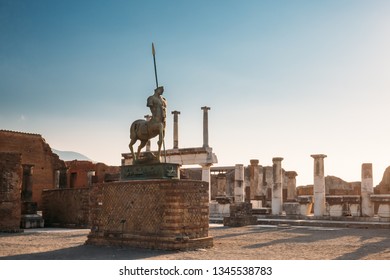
[66, 207]
[381, 205]
[156, 214]
[347, 205]
[11, 173]
[240, 215]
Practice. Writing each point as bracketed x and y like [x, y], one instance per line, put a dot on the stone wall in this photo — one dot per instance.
[384, 185]
[35, 151]
[333, 186]
[240, 215]
[157, 214]
[11, 173]
[66, 207]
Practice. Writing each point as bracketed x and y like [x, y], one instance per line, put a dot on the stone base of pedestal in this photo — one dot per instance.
[381, 204]
[178, 242]
[218, 210]
[240, 215]
[32, 221]
[306, 204]
[292, 208]
[155, 214]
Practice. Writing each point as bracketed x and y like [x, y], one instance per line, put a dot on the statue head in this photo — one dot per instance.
[159, 90]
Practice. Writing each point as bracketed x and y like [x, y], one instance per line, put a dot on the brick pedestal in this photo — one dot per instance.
[155, 214]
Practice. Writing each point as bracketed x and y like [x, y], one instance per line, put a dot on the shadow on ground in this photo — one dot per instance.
[89, 252]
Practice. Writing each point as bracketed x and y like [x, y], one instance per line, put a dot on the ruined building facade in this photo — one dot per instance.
[35, 152]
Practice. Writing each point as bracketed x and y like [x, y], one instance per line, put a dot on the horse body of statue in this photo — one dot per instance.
[144, 130]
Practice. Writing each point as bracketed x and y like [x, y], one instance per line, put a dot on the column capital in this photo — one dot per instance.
[254, 162]
[277, 159]
[175, 112]
[318, 156]
[205, 108]
[291, 174]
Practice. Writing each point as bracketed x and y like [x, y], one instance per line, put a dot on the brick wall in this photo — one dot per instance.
[66, 207]
[78, 173]
[11, 173]
[34, 151]
[160, 214]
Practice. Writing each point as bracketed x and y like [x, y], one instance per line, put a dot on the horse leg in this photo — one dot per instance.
[141, 145]
[132, 142]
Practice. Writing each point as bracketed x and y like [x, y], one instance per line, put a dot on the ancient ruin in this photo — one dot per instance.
[150, 206]
[153, 200]
[11, 173]
[48, 170]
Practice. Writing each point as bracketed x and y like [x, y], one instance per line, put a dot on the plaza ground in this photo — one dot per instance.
[268, 242]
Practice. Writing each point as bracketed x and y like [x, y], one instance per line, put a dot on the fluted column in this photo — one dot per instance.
[205, 126]
[367, 189]
[176, 129]
[277, 189]
[255, 180]
[206, 176]
[239, 188]
[319, 185]
[291, 185]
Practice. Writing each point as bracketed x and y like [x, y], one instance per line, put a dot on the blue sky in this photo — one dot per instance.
[282, 78]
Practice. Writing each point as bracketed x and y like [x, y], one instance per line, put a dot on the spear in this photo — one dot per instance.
[154, 61]
[155, 74]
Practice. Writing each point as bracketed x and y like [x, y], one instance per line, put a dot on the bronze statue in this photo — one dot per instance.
[145, 130]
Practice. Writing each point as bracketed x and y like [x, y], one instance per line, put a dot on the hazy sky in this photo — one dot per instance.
[283, 78]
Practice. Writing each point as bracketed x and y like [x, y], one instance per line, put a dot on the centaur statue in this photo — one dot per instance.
[145, 130]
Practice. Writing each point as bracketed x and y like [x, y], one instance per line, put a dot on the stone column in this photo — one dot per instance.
[277, 189]
[90, 176]
[268, 182]
[176, 129]
[206, 177]
[319, 185]
[239, 188]
[367, 189]
[205, 126]
[291, 185]
[221, 185]
[57, 179]
[255, 180]
[148, 118]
